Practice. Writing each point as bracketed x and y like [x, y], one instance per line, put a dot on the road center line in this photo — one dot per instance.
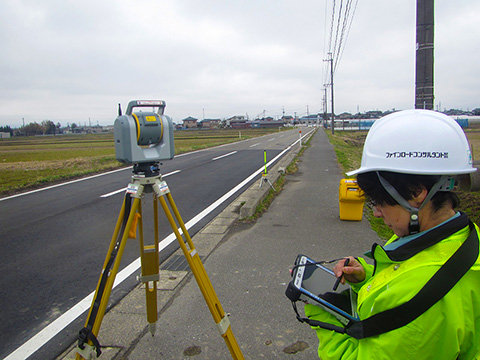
[46, 334]
[222, 156]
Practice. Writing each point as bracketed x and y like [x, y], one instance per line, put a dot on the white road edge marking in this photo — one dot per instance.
[46, 334]
[62, 184]
[124, 189]
[222, 156]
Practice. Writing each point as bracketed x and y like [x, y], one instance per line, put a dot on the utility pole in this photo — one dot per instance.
[424, 95]
[330, 59]
[331, 89]
[325, 104]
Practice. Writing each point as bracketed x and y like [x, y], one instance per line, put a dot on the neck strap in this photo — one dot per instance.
[414, 226]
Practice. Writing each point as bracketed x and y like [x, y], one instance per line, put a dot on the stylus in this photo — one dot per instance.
[337, 282]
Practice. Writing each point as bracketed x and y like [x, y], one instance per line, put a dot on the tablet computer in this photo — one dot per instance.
[313, 283]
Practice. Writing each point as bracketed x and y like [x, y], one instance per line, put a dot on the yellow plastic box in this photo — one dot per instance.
[351, 200]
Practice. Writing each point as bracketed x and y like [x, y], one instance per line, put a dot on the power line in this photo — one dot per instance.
[344, 19]
[335, 47]
[341, 21]
[339, 57]
[331, 26]
[332, 21]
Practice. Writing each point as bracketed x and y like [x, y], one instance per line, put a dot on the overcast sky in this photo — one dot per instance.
[74, 61]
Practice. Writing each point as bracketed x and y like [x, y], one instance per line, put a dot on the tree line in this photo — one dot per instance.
[46, 127]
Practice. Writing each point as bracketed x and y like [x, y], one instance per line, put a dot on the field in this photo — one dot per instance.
[348, 147]
[29, 162]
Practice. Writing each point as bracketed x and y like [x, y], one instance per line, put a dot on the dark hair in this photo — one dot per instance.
[407, 186]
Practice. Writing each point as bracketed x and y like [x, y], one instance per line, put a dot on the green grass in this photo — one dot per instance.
[348, 148]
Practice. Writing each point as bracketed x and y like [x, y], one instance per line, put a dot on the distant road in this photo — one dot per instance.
[54, 241]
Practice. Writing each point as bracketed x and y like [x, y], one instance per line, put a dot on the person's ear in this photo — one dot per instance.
[419, 196]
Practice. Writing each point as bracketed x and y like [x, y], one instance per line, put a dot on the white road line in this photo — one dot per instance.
[62, 184]
[271, 139]
[124, 189]
[109, 172]
[113, 193]
[254, 145]
[222, 156]
[46, 334]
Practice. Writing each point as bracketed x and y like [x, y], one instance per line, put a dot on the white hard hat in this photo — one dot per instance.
[422, 142]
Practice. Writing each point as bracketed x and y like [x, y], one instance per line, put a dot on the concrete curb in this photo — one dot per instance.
[256, 194]
[125, 324]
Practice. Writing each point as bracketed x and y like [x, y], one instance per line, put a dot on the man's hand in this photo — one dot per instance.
[353, 272]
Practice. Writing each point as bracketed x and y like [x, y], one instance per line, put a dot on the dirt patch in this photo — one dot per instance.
[296, 347]
[192, 350]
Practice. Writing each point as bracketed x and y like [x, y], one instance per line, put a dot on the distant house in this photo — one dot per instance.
[345, 115]
[190, 123]
[238, 122]
[267, 124]
[288, 119]
[310, 119]
[211, 123]
[374, 114]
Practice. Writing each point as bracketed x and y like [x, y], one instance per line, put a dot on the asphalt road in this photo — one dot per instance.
[54, 241]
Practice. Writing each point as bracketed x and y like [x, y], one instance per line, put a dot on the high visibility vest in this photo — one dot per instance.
[445, 331]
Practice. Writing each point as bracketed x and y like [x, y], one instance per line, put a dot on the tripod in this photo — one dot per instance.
[265, 179]
[264, 174]
[147, 179]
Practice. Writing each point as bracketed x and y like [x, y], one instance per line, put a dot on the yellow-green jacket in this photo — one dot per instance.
[450, 329]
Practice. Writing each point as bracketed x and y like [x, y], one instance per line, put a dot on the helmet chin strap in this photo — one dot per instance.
[444, 184]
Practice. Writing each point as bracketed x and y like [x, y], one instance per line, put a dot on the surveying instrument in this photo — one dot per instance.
[264, 173]
[143, 139]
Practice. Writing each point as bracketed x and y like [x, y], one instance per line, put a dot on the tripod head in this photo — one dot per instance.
[147, 169]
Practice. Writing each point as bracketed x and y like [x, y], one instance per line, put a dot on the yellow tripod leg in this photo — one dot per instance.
[119, 248]
[198, 270]
[150, 270]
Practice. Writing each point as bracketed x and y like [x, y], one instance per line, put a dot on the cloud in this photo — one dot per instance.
[71, 61]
